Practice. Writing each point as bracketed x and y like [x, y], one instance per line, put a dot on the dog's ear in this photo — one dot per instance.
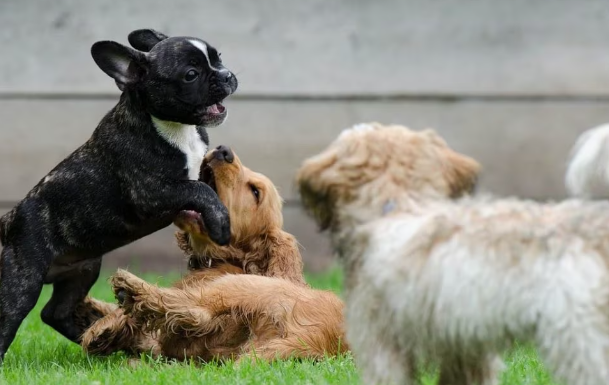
[285, 260]
[318, 203]
[145, 39]
[461, 173]
[315, 180]
[276, 255]
[125, 65]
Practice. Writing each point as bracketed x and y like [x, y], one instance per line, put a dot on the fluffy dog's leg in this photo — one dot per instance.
[588, 171]
[22, 276]
[479, 371]
[384, 364]
[576, 350]
[375, 349]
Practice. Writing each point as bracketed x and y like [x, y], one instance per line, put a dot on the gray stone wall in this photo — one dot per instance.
[511, 83]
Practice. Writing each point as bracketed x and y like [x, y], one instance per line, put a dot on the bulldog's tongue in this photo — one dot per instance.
[216, 108]
[189, 221]
[213, 109]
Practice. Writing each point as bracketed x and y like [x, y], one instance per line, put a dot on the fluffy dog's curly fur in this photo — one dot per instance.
[218, 312]
[431, 276]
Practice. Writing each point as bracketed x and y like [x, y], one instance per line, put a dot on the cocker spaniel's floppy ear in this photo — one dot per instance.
[277, 255]
[461, 173]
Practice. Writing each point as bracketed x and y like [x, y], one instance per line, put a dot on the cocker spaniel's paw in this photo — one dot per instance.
[169, 310]
[110, 334]
[126, 287]
[91, 310]
[140, 300]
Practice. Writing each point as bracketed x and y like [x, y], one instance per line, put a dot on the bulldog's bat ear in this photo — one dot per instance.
[123, 64]
[145, 39]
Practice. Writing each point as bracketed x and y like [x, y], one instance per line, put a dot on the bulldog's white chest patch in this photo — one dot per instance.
[185, 138]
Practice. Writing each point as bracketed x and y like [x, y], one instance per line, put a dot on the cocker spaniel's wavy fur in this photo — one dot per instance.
[242, 300]
[432, 274]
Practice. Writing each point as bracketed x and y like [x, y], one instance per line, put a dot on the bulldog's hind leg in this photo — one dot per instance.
[22, 275]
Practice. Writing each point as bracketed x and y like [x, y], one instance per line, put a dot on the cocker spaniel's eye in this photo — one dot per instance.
[255, 192]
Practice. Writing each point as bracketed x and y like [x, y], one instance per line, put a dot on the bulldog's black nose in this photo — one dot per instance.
[224, 153]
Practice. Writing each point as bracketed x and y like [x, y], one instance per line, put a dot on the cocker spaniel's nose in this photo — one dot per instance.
[224, 153]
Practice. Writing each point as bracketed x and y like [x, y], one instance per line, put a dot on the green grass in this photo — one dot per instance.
[41, 356]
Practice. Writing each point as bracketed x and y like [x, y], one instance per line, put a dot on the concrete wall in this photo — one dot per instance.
[510, 83]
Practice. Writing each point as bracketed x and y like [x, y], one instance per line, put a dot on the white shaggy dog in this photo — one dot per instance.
[434, 276]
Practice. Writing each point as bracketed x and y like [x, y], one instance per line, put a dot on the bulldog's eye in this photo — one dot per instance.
[191, 76]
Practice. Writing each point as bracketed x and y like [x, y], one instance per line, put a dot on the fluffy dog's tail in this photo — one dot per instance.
[588, 170]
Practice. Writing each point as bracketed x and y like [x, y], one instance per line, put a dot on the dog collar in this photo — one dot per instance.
[198, 263]
[389, 206]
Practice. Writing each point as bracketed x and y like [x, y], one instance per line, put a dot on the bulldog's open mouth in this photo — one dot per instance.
[215, 109]
[212, 115]
[190, 221]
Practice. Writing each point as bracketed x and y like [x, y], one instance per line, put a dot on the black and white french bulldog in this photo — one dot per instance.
[138, 170]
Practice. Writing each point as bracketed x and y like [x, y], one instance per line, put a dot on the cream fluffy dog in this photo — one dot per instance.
[433, 275]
